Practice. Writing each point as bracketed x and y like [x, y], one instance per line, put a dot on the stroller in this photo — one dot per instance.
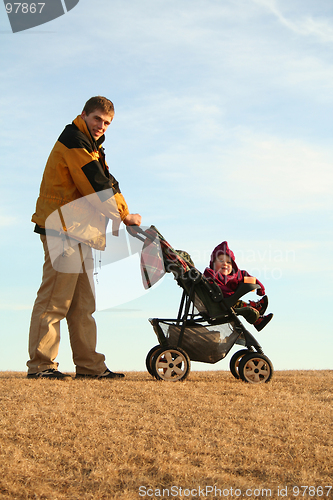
[207, 325]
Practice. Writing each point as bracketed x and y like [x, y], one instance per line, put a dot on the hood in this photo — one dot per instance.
[223, 248]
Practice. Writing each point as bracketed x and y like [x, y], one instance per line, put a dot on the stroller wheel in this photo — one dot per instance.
[235, 360]
[171, 364]
[149, 359]
[255, 368]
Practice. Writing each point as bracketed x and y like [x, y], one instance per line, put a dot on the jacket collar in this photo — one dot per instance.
[82, 126]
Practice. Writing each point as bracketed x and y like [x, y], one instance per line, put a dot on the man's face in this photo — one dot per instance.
[97, 122]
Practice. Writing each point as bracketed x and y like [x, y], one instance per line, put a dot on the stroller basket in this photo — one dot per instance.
[202, 343]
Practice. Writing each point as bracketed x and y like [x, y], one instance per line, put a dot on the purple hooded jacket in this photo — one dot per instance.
[229, 283]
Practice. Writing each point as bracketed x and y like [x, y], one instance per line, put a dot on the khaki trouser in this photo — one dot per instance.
[67, 291]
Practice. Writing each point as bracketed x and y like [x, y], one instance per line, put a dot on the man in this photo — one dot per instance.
[77, 197]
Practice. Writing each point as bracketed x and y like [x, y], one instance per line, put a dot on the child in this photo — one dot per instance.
[224, 271]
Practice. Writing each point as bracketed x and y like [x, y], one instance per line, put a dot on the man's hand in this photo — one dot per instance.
[132, 220]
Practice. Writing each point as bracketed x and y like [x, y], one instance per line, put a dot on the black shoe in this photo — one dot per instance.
[107, 374]
[51, 373]
[262, 322]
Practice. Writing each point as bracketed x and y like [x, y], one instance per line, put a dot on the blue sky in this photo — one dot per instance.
[222, 131]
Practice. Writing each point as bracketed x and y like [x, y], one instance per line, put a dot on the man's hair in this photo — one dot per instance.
[99, 102]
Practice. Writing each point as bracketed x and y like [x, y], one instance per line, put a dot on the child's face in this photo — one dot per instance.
[223, 264]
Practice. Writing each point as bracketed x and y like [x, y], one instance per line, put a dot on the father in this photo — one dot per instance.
[78, 196]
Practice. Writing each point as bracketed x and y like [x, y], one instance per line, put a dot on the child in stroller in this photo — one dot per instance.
[224, 271]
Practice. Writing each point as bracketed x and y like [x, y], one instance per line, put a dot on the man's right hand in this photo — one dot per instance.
[132, 220]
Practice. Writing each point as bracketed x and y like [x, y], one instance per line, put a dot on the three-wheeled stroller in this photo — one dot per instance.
[207, 325]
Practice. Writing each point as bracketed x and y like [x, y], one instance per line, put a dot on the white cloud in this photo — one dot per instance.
[304, 24]
[15, 307]
[7, 220]
[295, 257]
[286, 175]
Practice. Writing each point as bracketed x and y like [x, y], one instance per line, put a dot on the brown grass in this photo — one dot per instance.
[90, 439]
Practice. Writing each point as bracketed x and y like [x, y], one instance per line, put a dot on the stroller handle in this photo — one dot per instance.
[136, 231]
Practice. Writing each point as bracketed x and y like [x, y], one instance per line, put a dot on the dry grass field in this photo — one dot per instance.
[211, 436]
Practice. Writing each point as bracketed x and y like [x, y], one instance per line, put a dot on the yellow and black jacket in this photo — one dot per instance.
[78, 194]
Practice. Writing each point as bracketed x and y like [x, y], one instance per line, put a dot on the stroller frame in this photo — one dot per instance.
[202, 305]
[188, 317]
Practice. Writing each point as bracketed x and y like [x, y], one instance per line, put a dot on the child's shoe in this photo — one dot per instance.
[262, 322]
[260, 305]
